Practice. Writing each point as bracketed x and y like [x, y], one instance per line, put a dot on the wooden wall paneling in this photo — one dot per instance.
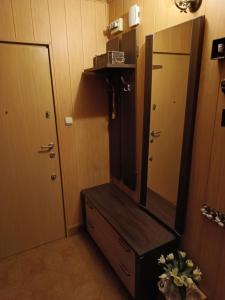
[101, 16]
[40, 15]
[148, 18]
[63, 99]
[204, 126]
[89, 33]
[161, 14]
[119, 8]
[219, 292]
[91, 109]
[23, 20]
[215, 189]
[75, 54]
[210, 255]
[7, 30]
[75, 44]
[213, 235]
[111, 8]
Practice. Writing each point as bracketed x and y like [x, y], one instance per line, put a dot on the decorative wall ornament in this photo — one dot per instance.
[213, 215]
[185, 5]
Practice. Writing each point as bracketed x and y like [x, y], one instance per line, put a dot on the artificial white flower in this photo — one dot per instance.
[174, 272]
[163, 276]
[162, 260]
[197, 272]
[189, 282]
[184, 279]
[197, 278]
[178, 281]
[182, 254]
[189, 263]
[170, 257]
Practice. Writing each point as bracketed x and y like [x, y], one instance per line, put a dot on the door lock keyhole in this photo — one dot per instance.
[53, 176]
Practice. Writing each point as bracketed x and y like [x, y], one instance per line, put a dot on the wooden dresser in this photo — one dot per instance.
[128, 237]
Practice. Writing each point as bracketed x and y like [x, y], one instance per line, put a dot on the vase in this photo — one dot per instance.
[173, 293]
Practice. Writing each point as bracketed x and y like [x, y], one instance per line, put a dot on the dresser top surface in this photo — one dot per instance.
[138, 229]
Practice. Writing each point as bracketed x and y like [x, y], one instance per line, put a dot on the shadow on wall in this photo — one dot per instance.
[92, 99]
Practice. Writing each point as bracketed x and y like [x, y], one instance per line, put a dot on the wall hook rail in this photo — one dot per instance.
[213, 215]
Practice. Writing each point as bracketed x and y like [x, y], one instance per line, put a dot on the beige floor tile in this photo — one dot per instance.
[68, 269]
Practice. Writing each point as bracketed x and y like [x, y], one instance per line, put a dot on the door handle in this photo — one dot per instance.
[155, 134]
[48, 147]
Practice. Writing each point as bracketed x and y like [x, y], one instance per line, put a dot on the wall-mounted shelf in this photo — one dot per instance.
[218, 49]
[109, 67]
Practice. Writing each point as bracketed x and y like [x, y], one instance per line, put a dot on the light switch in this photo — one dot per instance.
[69, 121]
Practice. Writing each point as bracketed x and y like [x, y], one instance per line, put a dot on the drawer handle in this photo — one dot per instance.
[90, 225]
[124, 270]
[124, 245]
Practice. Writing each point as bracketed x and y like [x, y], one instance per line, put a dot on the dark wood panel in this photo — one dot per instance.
[128, 113]
[139, 230]
[146, 116]
[115, 130]
[189, 123]
[161, 208]
[118, 253]
[129, 46]
[113, 44]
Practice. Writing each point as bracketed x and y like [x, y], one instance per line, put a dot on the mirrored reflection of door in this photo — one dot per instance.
[169, 90]
[31, 207]
[172, 70]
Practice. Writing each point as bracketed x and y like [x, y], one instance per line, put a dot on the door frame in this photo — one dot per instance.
[53, 85]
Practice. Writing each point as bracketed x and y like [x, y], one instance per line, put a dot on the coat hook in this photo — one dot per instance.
[127, 86]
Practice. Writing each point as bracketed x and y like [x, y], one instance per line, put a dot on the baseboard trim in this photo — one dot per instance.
[74, 229]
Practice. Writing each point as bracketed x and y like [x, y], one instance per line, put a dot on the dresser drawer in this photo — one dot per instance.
[115, 249]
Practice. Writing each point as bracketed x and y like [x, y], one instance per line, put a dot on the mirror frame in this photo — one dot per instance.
[189, 125]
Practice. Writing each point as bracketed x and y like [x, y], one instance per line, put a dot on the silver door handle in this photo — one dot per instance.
[47, 147]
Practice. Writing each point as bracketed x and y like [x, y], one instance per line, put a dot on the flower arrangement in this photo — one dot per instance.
[180, 275]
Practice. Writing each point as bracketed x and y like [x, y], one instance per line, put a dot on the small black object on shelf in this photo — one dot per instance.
[218, 49]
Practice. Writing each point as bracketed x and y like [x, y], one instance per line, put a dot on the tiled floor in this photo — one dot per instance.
[69, 269]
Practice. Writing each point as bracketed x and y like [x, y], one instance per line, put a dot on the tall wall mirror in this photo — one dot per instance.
[173, 60]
